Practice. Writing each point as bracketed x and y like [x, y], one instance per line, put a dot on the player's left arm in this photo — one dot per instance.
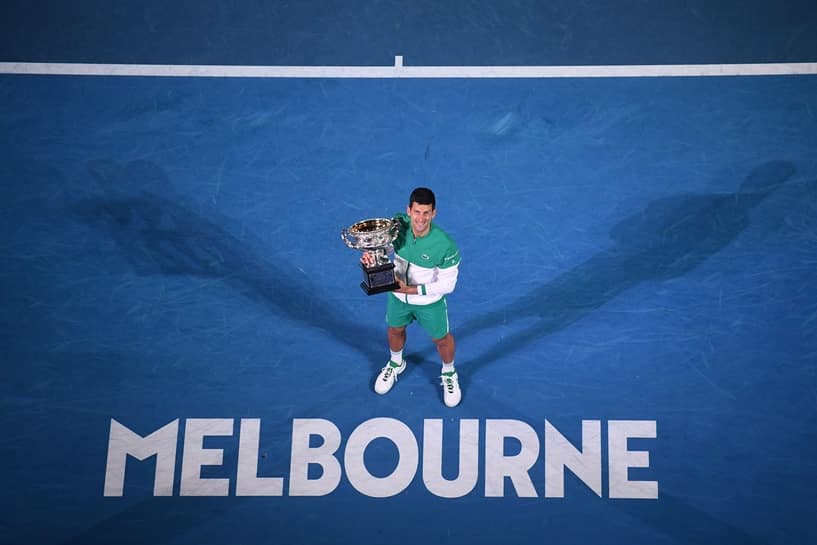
[443, 284]
[447, 272]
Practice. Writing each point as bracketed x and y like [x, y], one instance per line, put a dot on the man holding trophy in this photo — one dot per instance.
[425, 269]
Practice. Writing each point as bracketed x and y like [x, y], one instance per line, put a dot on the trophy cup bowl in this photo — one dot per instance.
[376, 236]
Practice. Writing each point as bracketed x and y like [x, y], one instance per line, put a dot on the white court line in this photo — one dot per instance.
[401, 71]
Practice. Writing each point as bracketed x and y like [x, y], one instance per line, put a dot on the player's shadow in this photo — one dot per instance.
[668, 239]
[158, 235]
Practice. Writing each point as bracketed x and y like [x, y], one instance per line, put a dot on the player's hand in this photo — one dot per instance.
[367, 259]
[405, 288]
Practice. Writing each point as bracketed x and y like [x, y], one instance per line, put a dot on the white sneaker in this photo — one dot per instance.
[451, 389]
[388, 376]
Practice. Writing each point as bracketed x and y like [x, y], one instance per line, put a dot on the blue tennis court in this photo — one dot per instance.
[188, 358]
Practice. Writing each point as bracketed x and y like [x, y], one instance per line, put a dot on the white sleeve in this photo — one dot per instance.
[444, 282]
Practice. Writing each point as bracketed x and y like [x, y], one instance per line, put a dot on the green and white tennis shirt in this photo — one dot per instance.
[430, 262]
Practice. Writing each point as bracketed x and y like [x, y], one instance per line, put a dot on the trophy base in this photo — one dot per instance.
[378, 279]
[378, 289]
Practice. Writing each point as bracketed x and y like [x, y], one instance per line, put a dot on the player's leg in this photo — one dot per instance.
[434, 319]
[450, 380]
[446, 347]
[397, 340]
[398, 316]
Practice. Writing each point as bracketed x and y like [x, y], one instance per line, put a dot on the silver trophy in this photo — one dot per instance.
[376, 236]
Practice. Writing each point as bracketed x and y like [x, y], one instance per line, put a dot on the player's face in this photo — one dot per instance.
[421, 216]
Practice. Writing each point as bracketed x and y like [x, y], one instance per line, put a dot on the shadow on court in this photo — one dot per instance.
[666, 240]
[160, 236]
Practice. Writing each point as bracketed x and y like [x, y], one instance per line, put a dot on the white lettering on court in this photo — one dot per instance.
[466, 479]
[560, 454]
[407, 457]
[248, 483]
[317, 449]
[195, 456]
[302, 456]
[516, 467]
[620, 459]
[122, 442]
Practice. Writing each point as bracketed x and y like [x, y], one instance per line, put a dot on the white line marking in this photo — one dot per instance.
[401, 71]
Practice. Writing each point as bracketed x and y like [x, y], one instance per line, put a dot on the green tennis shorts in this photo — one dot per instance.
[433, 317]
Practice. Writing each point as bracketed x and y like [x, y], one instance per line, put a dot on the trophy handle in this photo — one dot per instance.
[345, 237]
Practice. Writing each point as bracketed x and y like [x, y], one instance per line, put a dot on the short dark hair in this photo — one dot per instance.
[423, 195]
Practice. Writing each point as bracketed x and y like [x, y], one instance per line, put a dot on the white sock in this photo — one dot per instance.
[397, 357]
[448, 367]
